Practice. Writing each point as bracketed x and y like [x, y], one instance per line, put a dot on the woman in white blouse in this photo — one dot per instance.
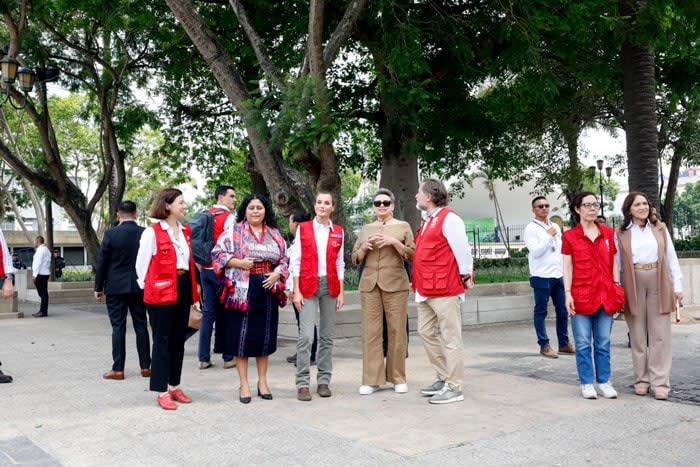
[651, 278]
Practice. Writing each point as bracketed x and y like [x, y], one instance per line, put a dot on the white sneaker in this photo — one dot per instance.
[607, 390]
[366, 390]
[588, 391]
[401, 388]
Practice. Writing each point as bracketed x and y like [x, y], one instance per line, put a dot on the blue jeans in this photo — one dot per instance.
[210, 303]
[592, 331]
[546, 287]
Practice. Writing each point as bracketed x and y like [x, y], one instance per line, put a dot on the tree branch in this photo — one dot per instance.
[342, 31]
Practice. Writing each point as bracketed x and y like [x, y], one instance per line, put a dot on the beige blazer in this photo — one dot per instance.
[667, 299]
[384, 267]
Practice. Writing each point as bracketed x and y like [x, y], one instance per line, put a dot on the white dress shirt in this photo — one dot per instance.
[321, 233]
[456, 236]
[41, 263]
[544, 250]
[645, 250]
[6, 257]
[147, 249]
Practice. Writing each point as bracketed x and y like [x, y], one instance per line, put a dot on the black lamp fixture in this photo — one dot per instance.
[608, 172]
[11, 71]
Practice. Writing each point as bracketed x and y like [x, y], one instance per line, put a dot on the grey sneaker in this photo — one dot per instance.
[434, 388]
[447, 394]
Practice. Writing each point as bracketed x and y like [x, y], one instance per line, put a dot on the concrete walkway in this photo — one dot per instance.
[519, 408]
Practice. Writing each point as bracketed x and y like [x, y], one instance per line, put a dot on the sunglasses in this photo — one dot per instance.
[386, 203]
[542, 206]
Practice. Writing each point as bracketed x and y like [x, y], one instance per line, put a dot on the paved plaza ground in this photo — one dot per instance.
[519, 408]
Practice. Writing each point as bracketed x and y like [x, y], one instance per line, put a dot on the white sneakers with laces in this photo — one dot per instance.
[588, 391]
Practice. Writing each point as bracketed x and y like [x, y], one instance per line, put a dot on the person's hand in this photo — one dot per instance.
[7, 288]
[679, 296]
[99, 296]
[246, 263]
[298, 300]
[270, 280]
[33, 280]
[570, 304]
[552, 231]
[381, 240]
[339, 302]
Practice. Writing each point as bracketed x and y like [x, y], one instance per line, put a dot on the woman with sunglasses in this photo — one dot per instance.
[652, 279]
[382, 247]
[593, 293]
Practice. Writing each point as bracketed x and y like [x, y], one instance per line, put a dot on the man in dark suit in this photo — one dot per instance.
[116, 278]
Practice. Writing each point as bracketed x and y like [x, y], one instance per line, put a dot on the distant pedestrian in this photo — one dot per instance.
[7, 275]
[383, 247]
[652, 279]
[58, 264]
[543, 240]
[442, 266]
[41, 270]
[166, 271]
[17, 262]
[318, 267]
[116, 278]
[593, 293]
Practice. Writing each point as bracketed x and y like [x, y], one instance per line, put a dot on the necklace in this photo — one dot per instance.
[262, 234]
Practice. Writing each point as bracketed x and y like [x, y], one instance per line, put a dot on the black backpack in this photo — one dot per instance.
[202, 226]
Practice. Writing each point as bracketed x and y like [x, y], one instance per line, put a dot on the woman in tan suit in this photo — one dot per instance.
[382, 247]
[651, 277]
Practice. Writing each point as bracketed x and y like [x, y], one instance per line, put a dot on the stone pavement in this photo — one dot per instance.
[519, 408]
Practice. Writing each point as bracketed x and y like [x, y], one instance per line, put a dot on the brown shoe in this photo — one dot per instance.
[118, 375]
[568, 348]
[39, 314]
[641, 390]
[303, 394]
[661, 394]
[548, 352]
[324, 391]
[146, 372]
[229, 364]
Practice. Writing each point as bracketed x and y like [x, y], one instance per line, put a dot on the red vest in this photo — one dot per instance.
[219, 222]
[308, 276]
[435, 269]
[160, 287]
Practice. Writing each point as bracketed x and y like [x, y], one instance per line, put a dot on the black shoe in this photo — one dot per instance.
[267, 397]
[5, 378]
[39, 314]
[244, 400]
[292, 359]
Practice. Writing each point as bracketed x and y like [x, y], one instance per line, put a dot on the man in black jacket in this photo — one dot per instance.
[116, 278]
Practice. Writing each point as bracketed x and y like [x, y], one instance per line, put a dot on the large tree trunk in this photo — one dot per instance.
[400, 173]
[639, 92]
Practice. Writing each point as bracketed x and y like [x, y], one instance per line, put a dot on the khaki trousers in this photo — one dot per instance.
[652, 363]
[445, 351]
[375, 305]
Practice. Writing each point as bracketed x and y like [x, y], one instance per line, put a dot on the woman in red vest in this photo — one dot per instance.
[317, 265]
[593, 293]
[165, 270]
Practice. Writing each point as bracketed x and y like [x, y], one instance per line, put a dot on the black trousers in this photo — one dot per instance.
[42, 288]
[169, 325]
[118, 306]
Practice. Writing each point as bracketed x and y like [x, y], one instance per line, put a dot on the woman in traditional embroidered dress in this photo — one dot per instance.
[252, 258]
[165, 270]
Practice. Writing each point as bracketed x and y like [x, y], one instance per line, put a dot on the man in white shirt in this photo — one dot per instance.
[543, 241]
[40, 275]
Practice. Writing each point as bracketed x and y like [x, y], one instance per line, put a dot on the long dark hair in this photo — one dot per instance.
[627, 210]
[269, 219]
[576, 203]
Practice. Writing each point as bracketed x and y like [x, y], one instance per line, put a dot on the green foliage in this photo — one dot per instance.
[76, 276]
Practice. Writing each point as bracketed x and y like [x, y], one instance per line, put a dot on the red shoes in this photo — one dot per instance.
[180, 396]
[166, 402]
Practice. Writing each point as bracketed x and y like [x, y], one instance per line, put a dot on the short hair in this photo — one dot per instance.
[159, 210]
[300, 216]
[536, 200]
[437, 191]
[270, 220]
[576, 202]
[127, 207]
[386, 192]
[40, 239]
[222, 190]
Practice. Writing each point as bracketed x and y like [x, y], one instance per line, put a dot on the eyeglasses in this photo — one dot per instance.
[590, 205]
[378, 203]
[542, 206]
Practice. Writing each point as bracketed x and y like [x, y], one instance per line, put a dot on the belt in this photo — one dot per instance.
[261, 267]
[182, 272]
[645, 266]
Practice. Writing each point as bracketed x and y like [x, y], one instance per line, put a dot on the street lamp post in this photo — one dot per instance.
[11, 71]
[608, 172]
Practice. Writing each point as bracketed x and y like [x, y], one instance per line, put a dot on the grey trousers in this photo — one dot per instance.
[307, 319]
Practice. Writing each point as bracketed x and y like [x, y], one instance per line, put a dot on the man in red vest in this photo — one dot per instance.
[7, 274]
[442, 264]
[223, 220]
